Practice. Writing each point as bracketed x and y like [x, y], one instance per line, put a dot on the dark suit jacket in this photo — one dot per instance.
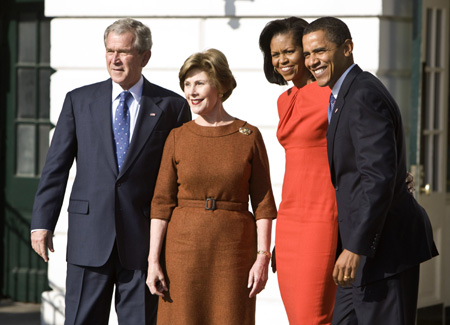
[106, 206]
[378, 217]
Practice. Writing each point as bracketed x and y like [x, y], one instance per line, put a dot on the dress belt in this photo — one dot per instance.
[212, 204]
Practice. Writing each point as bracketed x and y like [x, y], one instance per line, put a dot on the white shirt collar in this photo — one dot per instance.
[133, 104]
[136, 90]
[338, 84]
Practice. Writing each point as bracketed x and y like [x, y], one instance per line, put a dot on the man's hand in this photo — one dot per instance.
[345, 268]
[40, 241]
[410, 182]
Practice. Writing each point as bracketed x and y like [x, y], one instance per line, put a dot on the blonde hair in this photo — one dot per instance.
[215, 64]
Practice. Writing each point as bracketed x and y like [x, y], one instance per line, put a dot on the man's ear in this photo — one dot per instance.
[146, 57]
[348, 47]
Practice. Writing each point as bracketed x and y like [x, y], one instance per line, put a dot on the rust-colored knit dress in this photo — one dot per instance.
[306, 230]
[209, 253]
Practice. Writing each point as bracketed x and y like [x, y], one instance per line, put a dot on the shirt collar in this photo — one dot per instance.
[136, 90]
[338, 84]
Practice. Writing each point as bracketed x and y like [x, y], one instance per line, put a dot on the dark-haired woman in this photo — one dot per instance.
[306, 232]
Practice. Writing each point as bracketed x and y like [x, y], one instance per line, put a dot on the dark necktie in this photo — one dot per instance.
[331, 107]
[121, 128]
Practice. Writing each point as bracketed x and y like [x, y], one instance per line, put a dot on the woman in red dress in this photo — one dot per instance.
[306, 230]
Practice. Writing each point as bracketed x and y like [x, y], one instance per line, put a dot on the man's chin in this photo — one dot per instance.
[116, 79]
[322, 83]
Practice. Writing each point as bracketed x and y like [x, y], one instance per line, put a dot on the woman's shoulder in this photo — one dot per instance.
[288, 93]
[182, 128]
[314, 88]
[241, 123]
[248, 129]
[179, 132]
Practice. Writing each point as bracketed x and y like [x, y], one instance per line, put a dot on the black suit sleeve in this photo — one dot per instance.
[373, 134]
[60, 157]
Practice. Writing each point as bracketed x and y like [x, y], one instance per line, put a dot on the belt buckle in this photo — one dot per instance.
[213, 204]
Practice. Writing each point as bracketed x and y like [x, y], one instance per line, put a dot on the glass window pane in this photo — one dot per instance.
[26, 93]
[44, 93]
[25, 150]
[45, 42]
[44, 132]
[27, 38]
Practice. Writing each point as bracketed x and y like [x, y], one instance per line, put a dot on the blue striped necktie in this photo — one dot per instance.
[331, 107]
[121, 126]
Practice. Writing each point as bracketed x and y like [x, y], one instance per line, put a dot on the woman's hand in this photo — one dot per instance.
[155, 280]
[155, 276]
[258, 275]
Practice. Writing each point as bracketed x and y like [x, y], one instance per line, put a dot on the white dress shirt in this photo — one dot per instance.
[134, 102]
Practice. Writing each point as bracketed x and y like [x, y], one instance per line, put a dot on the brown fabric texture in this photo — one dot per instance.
[208, 253]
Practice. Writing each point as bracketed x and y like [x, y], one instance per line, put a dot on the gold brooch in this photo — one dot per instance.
[245, 131]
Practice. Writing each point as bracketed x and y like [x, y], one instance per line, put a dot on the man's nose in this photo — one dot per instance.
[311, 60]
[116, 57]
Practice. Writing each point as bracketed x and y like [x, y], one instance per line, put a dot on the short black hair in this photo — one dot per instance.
[335, 29]
[293, 25]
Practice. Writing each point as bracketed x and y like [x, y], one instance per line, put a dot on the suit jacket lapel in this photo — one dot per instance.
[101, 116]
[338, 107]
[149, 115]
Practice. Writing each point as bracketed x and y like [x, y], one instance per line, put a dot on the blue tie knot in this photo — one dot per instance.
[332, 99]
[124, 96]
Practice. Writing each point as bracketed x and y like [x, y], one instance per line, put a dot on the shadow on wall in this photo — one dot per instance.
[230, 11]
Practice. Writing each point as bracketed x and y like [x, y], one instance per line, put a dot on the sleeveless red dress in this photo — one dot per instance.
[306, 229]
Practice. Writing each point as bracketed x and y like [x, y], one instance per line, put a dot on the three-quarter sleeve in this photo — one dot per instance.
[261, 195]
[166, 189]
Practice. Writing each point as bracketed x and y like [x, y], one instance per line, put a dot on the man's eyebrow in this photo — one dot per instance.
[319, 49]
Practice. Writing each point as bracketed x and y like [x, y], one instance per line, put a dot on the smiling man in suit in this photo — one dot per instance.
[115, 130]
[384, 234]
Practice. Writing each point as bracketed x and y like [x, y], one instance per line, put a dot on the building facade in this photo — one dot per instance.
[50, 47]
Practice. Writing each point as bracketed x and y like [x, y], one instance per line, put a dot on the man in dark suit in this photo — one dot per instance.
[116, 131]
[384, 234]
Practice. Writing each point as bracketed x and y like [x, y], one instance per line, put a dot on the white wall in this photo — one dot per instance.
[217, 8]
[179, 29]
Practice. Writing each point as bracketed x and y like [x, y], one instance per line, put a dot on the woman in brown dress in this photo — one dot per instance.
[215, 255]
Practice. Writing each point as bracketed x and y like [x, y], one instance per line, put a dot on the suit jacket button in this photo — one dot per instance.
[119, 184]
[337, 188]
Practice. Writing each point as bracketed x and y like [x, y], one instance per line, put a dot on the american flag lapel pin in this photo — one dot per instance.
[335, 111]
[152, 114]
